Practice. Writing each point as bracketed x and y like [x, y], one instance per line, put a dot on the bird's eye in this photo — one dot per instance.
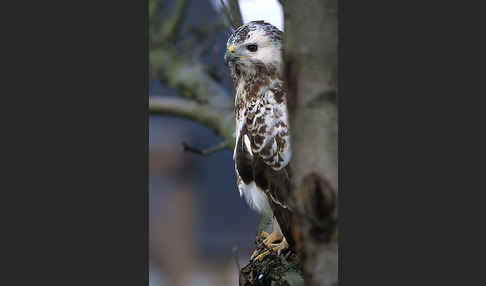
[252, 47]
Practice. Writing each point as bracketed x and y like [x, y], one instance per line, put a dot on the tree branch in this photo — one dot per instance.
[221, 146]
[232, 13]
[189, 77]
[219, 119]
[236, 12]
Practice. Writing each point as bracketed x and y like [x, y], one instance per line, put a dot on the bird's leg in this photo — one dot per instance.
[264, 234]
[280, 246]
[271, 242]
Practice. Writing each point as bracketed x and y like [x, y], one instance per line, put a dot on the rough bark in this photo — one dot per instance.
[311, 64]
[310, 67]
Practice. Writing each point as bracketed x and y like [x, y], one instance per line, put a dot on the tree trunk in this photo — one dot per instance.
[311, 64]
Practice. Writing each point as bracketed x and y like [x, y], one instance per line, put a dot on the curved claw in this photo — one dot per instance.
[269, 240]
[255, 253]
[272, 238]
[262, 255]
[278, 247]
[264, 234]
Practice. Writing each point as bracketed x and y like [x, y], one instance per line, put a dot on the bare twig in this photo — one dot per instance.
[226, 12]
[232, 13]
[236, 13]
[221, 146]
[172, 24]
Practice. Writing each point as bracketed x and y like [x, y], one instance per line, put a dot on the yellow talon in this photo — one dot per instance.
[261, 256]
[270, 241]
[272, 238]
[255, 253]
[264, 234]
[279, 247]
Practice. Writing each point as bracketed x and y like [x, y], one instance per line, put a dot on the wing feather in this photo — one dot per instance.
[269, 127]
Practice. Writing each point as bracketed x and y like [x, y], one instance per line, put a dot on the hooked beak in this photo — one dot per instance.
[229, 56]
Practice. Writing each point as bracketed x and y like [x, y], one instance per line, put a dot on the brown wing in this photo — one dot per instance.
[277, 187]
[276, 184]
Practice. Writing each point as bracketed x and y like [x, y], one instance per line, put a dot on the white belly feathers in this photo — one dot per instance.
[255, 197]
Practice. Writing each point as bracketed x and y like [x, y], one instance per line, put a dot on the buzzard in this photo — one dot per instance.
[262, 150]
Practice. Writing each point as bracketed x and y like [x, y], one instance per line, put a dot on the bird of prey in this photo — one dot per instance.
[262, 150]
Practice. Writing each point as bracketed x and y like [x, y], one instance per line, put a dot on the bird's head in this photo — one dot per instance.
[254, 45]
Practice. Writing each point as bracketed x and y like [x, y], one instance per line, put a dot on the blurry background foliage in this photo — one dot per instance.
[195, 212]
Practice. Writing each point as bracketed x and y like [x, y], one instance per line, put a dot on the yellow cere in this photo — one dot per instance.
[231, 48]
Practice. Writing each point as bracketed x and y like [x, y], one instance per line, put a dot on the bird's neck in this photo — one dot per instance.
[249, 72]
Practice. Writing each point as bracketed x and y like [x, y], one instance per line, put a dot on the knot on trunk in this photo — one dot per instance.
[320, 203]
